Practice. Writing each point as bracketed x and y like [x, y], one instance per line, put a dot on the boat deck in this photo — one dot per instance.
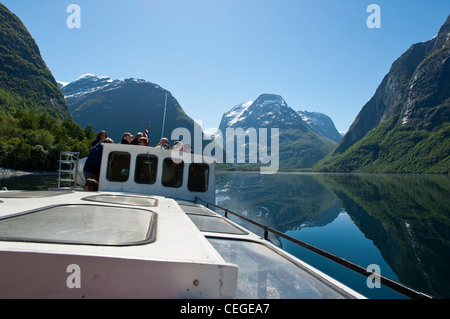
[188, 251]
[133, 236]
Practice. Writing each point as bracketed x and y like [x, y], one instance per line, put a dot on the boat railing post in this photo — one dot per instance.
[266, 233]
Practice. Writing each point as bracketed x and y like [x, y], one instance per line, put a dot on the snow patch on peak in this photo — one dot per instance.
[272, 102]
[137, 80]
[236, 112]
[86, 84]
[90, 76]
[62, 84]
[87, 75]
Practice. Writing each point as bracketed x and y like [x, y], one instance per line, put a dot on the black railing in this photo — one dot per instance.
[394, 285]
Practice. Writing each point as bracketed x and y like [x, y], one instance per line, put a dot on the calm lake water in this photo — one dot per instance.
[400, 223]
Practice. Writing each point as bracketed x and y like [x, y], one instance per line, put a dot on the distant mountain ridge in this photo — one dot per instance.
[268, 110]
[124, 105]
[322, 124]
[25, 81]
[318, 122]
[299, 145]
[405, 126]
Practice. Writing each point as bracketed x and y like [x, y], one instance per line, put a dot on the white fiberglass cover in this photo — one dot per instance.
[81, 224]
[265, 274]
[32, 194]
[124, 200]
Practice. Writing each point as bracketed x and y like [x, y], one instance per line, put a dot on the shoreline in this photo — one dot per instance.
[9, 173]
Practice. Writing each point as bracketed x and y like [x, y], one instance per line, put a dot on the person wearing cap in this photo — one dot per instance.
[135, 140]
[126, 138]
[164, 144]
[143, 141]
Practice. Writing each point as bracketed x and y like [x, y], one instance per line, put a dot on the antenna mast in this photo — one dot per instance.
[164, 117]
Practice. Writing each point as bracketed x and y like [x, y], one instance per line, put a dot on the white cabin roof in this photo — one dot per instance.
[177, 246]
[177, 238]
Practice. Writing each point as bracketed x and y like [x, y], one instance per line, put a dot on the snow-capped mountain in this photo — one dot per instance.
[268, 110]
[88, 84]
[272, 110]
[299, 145]
[235, 114]
[322, 124]
[124, 105]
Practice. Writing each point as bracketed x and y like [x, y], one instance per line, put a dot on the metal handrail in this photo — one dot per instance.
[394, 285]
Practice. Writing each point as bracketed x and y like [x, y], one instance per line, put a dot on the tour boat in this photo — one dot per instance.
[143, 234]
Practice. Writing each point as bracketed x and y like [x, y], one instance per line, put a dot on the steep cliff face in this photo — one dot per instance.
[405, 125]
[25, 81]
[428, 95]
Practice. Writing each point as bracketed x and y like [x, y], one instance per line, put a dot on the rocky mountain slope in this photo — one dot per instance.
[25, 81]
[405, 125]
[129, 105]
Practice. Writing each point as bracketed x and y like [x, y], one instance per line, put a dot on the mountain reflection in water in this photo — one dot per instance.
[399, 222]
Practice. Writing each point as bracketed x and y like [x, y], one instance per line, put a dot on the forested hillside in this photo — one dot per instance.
[26, 83]
[34, 141]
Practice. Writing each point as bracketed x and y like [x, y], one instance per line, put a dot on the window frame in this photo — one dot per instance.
[154, 179]
[108, 167]
[178, 169]
[206, 179]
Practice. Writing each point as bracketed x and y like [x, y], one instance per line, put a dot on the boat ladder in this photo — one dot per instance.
[67, 170]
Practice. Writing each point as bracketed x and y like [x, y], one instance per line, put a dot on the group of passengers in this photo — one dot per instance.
[141, 139]
[91, 168]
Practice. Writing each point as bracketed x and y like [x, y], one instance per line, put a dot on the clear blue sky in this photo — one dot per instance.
[319, 55]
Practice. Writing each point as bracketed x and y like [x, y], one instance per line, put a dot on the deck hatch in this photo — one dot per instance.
[214, 224]
[81, 224]
[33, 194]
[124, 200]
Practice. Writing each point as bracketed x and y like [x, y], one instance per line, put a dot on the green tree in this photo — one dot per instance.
[33, 141]
[74, 130]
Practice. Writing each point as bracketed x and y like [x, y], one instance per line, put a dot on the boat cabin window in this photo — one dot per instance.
[198, 177]
[172, 175]
[118, 166]
[146, 166]
[81, 224]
